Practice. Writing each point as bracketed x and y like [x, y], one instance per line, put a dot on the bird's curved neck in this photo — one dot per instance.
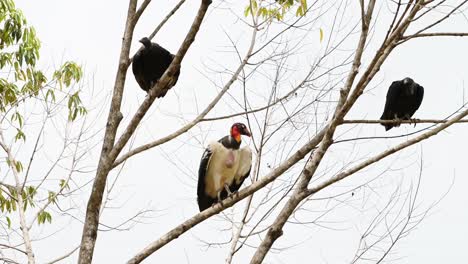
[230, 142]
[235, 142]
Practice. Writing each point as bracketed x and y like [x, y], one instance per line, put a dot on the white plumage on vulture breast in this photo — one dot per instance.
[150, 63]
[403, 99]
[223, 167]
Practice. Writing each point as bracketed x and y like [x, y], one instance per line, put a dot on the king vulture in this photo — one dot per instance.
[150, 63]
[223, 167]
[403, 99]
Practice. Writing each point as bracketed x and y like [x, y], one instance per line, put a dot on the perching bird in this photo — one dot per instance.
[150, 63]
[223, 167]
[403, 99]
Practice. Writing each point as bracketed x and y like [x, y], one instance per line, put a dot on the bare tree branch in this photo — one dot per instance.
[438, 34]
[413, 121]
[64, 256]
[141, 9]
[89, 234]
[441, 19]
[14, 248]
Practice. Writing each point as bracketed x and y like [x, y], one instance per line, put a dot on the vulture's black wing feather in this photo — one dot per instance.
[391, 103]
[235, 186]
[204, 201]
[138, 68]
[416, 100]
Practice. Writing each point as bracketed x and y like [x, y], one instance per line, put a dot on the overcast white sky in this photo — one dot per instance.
[90, 32]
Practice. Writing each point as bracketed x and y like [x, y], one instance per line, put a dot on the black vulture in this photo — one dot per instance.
[223, 167]
[403, 99]
[150, 63]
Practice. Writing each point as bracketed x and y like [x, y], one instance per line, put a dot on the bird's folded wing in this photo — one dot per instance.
[245, 163]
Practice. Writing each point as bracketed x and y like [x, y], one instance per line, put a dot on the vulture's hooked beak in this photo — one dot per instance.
[246, 132]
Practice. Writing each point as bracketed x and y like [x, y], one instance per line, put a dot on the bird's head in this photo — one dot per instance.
[408, 80]
[239, 129]
[411, 86]
[145, 41]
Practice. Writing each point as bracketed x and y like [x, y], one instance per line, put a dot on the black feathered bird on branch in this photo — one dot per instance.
[150, 63]
[223, 168]
[403, 99]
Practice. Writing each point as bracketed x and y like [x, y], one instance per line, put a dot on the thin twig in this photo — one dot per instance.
[439, 34]
[413, 121]
[64, 256]
[141, 9]
[438, 21]
[10, 247]
[172, 12]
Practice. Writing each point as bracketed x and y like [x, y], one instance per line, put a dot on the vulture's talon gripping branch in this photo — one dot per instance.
[415, 121]
[226, 187]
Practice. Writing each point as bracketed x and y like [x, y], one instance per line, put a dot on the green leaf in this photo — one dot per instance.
[8, 205]
[20, 135]
[18, 166]
[42, 217]
[50, 93]
[299, 11]
[13, 205]
[304, 5]
[69, 72]
[19, 118]
[52, 197]
[49, 218]
[25, 201]
[254, 5]
[74, 107]
[31, 191]
[247, 11]
[8, 221]
[64, 184]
